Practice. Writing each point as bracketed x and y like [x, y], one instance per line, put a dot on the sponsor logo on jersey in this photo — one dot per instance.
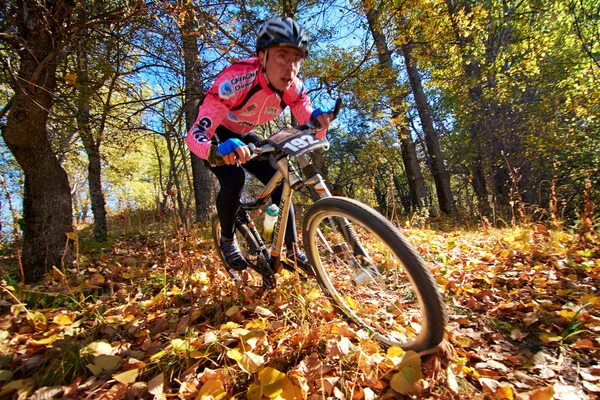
[243, 81]
[250, 110]
[199, 130]
[273, 111]
[239, 79]
[248, 124]
[226, 90]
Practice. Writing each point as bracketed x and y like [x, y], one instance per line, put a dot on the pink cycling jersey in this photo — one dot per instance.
[241, 99]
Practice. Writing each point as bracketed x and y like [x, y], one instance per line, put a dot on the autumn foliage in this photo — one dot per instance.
[156, 316]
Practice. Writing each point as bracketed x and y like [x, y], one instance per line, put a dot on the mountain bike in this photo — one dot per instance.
[361, 261]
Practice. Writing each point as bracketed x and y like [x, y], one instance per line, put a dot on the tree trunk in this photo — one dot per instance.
[47, 205]
[92, 149]
[409, 154]
[204, 181]
[472, 73]
[436, 161]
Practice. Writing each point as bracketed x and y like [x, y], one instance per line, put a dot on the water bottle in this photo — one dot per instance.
[269, 222]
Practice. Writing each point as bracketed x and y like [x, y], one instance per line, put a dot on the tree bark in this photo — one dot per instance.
[92, 149]
[47, 205]
[472, 73]
[409, 154]
[435, 158]
[204, 181]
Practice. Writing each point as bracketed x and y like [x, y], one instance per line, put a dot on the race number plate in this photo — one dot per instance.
[297, 141]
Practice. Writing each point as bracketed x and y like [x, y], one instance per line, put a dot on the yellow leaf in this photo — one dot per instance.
[270, 375]
[405, 381]
[234, 354]
[213, 389]
[62, 319]
[395, 351]
[5, 375]
[98, 278]
[248, 362]
[232, 311]
[290, 391]
[107, 362]
[257, 324]
[505, 392]
[548, 338]
[96, 370]
[71, 79]
[590, 298]
[272, 382]
[157, 356]
[351, 303]
[126, 275]
[567, 314]
[229, 326]
[49, 340]
[313, 294]
[275, 389]
[127, 377]
[17, 385]
[254, 392]
[72, 235]
[546, 393]
[180, 345]
[97, 348]
[195, 354]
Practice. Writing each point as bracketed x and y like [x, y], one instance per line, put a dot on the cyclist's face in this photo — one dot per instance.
[282, 65]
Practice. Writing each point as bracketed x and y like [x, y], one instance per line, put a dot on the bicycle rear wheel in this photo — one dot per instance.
[389, 291]
[250, 249]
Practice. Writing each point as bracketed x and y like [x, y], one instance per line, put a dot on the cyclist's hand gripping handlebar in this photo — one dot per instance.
[314, 124]
[215, 159]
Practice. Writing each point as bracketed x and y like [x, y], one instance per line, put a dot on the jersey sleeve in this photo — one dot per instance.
[299, 102]
[216, 105]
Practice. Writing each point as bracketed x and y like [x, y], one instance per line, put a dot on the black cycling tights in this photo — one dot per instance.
[232, 179]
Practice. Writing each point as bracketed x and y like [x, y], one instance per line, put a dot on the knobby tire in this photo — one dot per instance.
[391, 293]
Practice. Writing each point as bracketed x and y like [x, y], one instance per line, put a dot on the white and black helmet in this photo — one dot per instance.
[282, 32]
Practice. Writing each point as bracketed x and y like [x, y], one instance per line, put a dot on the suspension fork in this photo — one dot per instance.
[315, 181]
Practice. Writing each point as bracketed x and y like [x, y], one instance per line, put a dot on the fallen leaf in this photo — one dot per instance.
[156, 385]
[127, 377]
[46, 341]
[62, 319]
[117, 392]
[97, 348]
[409, 373]
[107, 362]
[232, 310]
[213, 389]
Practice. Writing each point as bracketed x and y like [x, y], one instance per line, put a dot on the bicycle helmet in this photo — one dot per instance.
[282, 32]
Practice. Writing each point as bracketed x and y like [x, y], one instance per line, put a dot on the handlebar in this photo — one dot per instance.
[264, 147]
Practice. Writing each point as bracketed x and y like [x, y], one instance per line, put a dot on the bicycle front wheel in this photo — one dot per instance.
[373, 275]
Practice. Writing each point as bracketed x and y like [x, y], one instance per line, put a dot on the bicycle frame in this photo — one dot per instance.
[287, 174]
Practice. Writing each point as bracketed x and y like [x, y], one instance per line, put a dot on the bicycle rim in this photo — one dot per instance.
[391, 292]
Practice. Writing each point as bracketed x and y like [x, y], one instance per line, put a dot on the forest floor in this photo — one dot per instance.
[154, 315]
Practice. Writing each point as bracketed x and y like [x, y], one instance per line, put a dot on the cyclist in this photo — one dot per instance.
[249, 93]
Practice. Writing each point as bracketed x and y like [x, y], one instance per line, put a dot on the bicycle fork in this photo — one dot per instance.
[365, 266]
